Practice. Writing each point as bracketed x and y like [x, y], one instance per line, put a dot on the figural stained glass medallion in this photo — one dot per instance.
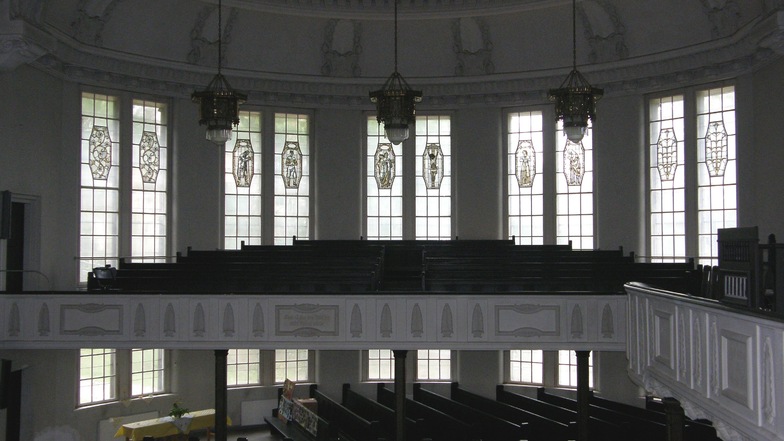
[242, 162]
[525, 163]
[667, 154]
[384, 165]
[149, 157]
[433, 165]
[100, 152]
[716, 149]
[574, 163]
[291, 164]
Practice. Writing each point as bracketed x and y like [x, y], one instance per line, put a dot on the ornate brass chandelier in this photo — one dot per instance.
[219, 103]
[575, 101]
[396, 102]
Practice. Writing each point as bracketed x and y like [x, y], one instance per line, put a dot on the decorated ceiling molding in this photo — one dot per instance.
[332, 53]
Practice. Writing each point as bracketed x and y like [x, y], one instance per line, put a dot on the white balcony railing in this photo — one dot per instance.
[723, 364]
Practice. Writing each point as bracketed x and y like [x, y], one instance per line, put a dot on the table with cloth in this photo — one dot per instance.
[169, 426]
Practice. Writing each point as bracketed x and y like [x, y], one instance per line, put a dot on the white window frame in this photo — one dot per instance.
[408, 210]
[526, 366]
[434, 365]
[709, 203]
[243, 207]
[118, 384]
[567, 369]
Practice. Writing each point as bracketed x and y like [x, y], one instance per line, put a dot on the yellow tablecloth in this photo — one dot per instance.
[167, 426]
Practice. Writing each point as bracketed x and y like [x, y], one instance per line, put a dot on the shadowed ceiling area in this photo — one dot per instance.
[511, 48]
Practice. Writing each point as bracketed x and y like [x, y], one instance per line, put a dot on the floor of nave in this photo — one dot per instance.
[254, 433]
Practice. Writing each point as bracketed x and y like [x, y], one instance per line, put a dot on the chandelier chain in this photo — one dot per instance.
[574, 34]
[220, 36]
[396, 35]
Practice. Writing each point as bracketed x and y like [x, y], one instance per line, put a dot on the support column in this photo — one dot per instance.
[400, 394]
[220, 394]
[583, 395]
[675, 419]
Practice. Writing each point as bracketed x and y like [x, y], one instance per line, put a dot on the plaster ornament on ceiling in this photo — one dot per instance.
[604, 31]
[724, 16]
[472, 46]
[342, 48]
[204, 37]
[91, 18]
[29, 10]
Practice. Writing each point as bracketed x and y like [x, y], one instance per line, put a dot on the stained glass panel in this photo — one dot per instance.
[384, 165]
[149, 157]
[667, 154]
[242, 162]
[291, 164]
[100, 152]
[716, 147]
[574, 163]
[433, 165]
[525, 163]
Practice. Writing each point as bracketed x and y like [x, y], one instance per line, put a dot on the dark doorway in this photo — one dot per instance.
[15, 249]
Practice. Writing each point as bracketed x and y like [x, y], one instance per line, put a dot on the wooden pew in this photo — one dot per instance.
[372, 410]
[604, 430]
[348, 424]
[644, 429]
[435, 424]
[291, 430]
[490, 426]
[696, 430]
[539, 428]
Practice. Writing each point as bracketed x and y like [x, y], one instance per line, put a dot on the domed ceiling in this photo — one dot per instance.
[337, 50]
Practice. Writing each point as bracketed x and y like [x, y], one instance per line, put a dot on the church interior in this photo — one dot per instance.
[390, 199]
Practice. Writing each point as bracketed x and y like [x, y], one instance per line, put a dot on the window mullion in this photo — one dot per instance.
[126, 161]
[549, 175]
[691, 193]
[409, 186]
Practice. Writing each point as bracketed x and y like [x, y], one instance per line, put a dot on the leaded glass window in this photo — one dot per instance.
[149, 188]
[100, 152]
[292, 178]
[433, 216]
[525, 187]
[525, 163]
[574, 190]
[99, 211]
[384, 185]
[149, 157]
[242, 201]
[716, 152]
[384, 165]
[433, 165]
[666, 175]
[242, 159]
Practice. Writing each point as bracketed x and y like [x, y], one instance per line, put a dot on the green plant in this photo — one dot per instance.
[177, 411]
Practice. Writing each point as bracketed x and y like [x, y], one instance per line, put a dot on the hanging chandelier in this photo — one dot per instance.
[575, 100]
[219, 103]
[396, 102]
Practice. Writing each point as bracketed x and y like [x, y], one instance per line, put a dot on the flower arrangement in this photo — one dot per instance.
[177, 411]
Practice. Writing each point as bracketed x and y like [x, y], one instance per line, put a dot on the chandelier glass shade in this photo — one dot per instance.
[396, 107]
[219, 104]
[575, 101]
[396, 103]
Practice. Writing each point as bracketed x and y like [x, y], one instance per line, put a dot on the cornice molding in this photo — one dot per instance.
[752, 47]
